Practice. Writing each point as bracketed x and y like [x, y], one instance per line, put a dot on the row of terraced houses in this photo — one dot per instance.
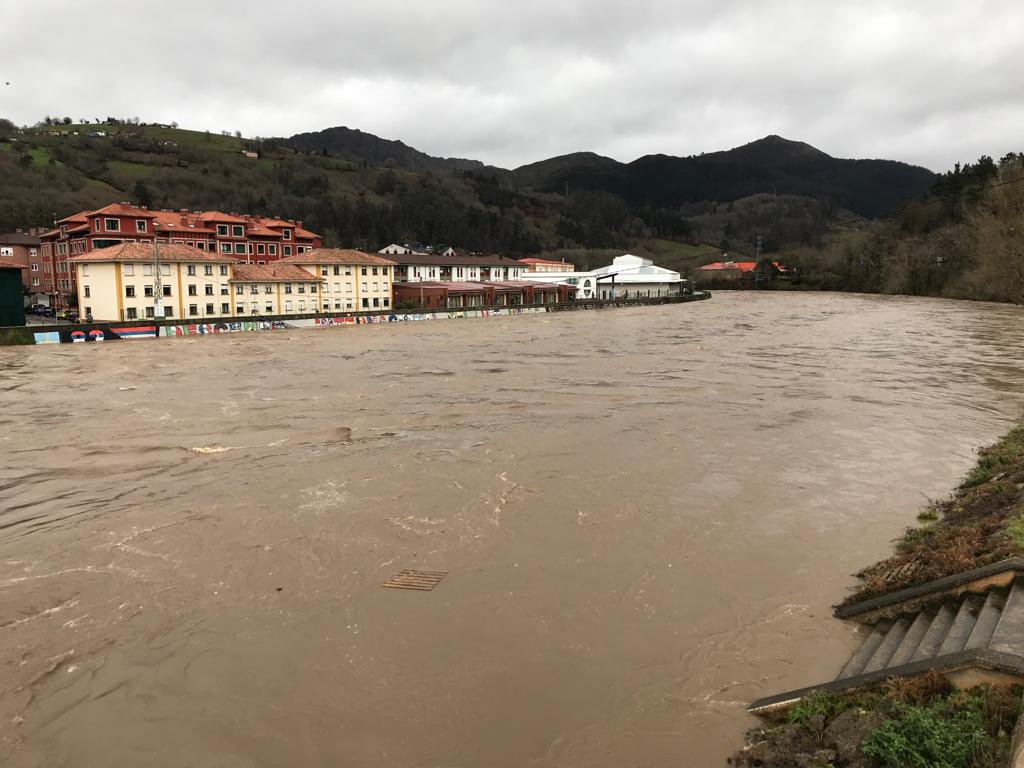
[124, 262]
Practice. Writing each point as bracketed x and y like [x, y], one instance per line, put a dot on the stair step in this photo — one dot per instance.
[912, 639]
[893, 638]
[988, 618]
[962, 626]
[936, 633]
[1008, 636]
[866, 651]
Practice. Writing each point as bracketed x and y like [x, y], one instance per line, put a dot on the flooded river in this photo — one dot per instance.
[645, 515]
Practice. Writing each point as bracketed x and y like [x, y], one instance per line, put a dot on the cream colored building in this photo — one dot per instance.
[351, 281]
[120, 282]
[273, 289]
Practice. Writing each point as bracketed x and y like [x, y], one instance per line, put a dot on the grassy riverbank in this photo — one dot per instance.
[920, 721]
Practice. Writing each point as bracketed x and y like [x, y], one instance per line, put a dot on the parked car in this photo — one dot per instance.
[46, 311]
[67, 314]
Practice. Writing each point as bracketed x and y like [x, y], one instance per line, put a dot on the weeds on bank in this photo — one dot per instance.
[15, 337]
[996, 458]
[914, 723]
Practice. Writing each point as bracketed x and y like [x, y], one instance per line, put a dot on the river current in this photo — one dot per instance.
[645, 515]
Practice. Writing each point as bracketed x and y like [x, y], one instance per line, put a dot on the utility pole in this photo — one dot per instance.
[158, 286]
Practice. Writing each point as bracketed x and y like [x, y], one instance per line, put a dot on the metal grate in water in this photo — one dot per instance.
[413, 579]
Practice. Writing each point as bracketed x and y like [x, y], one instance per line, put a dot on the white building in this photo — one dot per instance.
[627, 277]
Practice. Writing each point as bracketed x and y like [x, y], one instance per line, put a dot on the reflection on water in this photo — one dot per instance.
[645, 515]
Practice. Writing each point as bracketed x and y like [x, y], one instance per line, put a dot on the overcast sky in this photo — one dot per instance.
[514, 81]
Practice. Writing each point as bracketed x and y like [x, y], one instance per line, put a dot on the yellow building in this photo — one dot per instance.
[274, 289]
[351, 281]
[122, 282]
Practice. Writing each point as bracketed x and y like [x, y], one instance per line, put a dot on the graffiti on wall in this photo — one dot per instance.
[206, 329]
[99, 333]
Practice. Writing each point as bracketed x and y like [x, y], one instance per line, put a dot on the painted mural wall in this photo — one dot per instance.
[111, 332]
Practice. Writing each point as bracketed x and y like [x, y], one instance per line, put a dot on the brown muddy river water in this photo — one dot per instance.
[645, 515]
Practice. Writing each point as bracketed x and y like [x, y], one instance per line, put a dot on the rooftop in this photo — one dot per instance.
[19, 238]
[11, 265]
[458, 260]
[144, 252]
[277, 272]
[337, 256]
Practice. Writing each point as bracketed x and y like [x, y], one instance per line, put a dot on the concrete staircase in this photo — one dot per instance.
[971, 637]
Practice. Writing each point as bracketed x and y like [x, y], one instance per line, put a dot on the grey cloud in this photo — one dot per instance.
[510, 83]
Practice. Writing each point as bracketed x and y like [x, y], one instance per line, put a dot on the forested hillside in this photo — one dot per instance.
[965, 240]
[362, 191]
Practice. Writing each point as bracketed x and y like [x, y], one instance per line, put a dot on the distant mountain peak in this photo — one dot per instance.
[774, 150]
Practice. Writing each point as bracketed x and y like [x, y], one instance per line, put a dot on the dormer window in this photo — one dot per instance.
[222, 230]
[112, 225]
[238, 231]
[287, 234]
[64, 229]
[140, 225]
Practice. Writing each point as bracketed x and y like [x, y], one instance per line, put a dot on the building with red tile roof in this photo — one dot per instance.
[251, 239]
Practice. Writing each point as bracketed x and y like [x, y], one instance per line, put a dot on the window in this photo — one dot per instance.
[241, 248]
[147, 269]
[366, 302]
[223, 270]
[209, 290]
[272, 250]
[225, 247]
[375, 271]
[239, 290]
[149, 312]
[337, 304]
[239, 309]
[35, 268]
[129, 270]
[255, 308]
[201, 245]
[287, 287]
[254, 289]
[190, 269]
[268, 289]
[312, 287]
[287, 234]
[88, 311]
[222, 230]
[302, 288]
[147, 291]
[131, 313]
[35, 281]
[348, 288]
[192, 289]
[208, 270]
[112, 225]
[287, 306]
[193, 309]
[129, 291]
[260, 249]
[168, 311]
[287, 250]
[167, 290]
[85, 291]
[165, 269]
[348, 270]
[376, 286]
[348, 304]
[362, 270]
[385, 300]
[323, 271]
[337, 271]
[302, 306]
[209, 309]
[140, 225]
[270, 308]
[376, 301]
[238, 231]
[337, 287]
[223, 290]
[364, 287]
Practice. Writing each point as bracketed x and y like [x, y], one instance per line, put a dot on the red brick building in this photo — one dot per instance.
[251, 239]
[23, 249]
